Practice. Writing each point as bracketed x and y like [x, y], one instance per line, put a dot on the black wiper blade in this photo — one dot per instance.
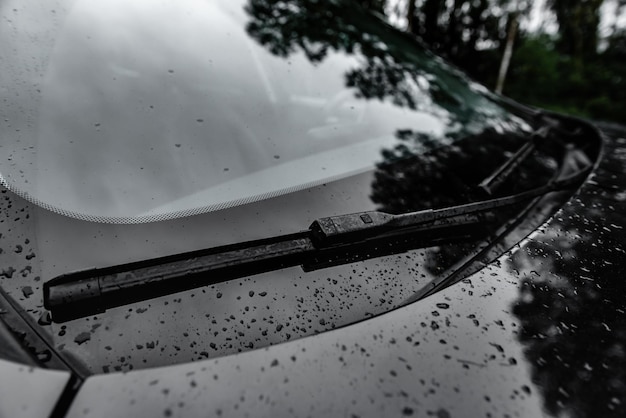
[326, 243]
[93, 291]
[329, 239]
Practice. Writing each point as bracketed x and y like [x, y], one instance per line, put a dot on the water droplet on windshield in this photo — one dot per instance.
[7, 272]
[45, 318]
[27, 291]
[82, 338]
[407, 411]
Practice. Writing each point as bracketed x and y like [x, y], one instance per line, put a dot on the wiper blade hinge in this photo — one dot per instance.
[357, 226]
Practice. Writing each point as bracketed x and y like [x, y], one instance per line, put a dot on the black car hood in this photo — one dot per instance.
[538, 331]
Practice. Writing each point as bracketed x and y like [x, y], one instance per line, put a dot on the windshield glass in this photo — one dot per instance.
[139, 111]
[279, 112]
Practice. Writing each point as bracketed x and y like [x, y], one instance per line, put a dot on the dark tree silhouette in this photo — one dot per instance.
[317, 28]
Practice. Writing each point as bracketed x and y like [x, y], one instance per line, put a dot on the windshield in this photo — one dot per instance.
[256, 117]
[139, 111]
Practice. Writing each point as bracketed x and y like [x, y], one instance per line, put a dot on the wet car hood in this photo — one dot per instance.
[538, 331]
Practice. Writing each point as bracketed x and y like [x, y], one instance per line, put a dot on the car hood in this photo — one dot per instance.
[538, 331]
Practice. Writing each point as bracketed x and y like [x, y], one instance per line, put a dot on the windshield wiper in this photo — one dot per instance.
[328, 241]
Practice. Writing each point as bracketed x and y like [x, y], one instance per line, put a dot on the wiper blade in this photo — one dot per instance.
[328, 241]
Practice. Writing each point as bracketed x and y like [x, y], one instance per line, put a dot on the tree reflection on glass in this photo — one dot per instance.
[408, 180]
[424, 169]
[406, 75]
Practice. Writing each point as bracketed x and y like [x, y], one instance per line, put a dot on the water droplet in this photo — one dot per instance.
[82, 338]
[27, 291]
[45, 318]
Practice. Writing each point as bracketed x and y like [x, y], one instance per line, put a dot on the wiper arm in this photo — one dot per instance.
[502, 173]
[89, 292]
[537, 139]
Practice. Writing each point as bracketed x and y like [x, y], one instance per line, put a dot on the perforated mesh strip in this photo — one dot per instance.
[131, 220]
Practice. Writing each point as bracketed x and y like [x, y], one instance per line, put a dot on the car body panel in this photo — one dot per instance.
[29, 392]
[539, 331]
[445, 354]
